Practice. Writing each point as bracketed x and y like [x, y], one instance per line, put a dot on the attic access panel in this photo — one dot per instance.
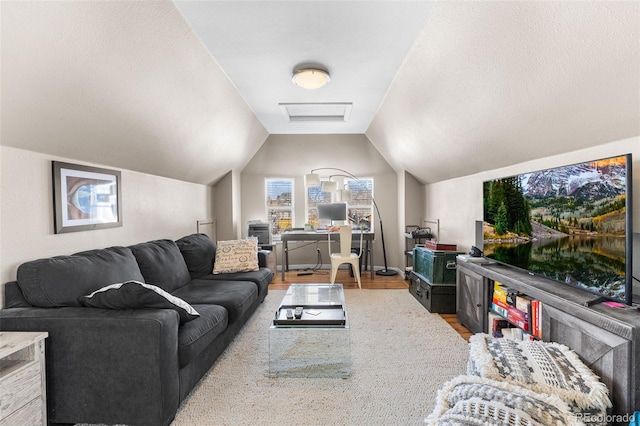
[326, 111]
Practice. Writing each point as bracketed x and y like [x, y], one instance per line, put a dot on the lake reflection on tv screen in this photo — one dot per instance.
[595, 263]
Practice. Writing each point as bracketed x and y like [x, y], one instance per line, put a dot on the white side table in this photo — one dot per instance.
[22, 378]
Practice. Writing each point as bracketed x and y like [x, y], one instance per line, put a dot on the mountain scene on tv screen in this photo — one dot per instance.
[567, 223]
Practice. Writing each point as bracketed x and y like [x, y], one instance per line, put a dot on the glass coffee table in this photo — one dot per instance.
[317, 344]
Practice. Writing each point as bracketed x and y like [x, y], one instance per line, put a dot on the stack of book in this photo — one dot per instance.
[518, 316]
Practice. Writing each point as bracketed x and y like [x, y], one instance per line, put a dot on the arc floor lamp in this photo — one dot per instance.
[313, 179]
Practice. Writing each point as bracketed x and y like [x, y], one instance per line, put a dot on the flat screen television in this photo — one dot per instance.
[332, 211]
[572, 224]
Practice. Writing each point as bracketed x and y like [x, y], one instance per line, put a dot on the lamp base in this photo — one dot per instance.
[386, 272]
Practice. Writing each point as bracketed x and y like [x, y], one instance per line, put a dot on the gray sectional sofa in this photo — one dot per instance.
[130, 366]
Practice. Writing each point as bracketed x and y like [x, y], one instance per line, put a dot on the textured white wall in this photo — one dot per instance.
[152, 208]
[412, 209]
[126, 84]
[414, 200]
[227, 207]
[491, 83]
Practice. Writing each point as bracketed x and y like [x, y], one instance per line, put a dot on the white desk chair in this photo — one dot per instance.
[345, 255]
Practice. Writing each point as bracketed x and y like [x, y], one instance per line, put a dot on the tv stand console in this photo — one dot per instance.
[606, 338]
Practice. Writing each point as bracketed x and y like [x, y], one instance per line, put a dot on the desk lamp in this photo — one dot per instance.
[313, 179]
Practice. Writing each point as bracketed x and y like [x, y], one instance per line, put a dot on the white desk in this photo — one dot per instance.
[367, 236]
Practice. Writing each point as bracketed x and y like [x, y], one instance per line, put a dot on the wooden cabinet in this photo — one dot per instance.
[471, 299]
[606, 339]
[607, 353]
[22, 379]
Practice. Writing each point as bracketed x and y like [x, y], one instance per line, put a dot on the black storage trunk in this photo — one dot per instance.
[437, 298]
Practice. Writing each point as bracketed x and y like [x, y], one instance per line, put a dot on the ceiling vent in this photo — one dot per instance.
[301, 112]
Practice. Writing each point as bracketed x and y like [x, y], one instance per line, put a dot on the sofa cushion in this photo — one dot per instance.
[198, 334]
[59, 281]
[237, 297]
[137, 295]
[199, 253]
[471, 400]
[540, 366]
[262, 277]
[236, 256]
[162, 264]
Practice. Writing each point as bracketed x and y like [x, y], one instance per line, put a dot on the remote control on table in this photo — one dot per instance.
[298, 312]
[289, 314]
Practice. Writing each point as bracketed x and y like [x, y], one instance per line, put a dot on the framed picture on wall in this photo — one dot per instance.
[85, 198]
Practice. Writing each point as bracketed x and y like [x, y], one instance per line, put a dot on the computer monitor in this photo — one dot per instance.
[333, 211]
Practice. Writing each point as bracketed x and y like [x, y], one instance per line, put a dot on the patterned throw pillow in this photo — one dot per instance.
[472, 400]
[544, 367]
[236, 256]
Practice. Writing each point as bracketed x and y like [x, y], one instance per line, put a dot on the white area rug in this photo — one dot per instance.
[401, 355]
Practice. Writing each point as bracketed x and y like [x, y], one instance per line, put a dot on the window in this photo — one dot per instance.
[360, 206]
[279, 204]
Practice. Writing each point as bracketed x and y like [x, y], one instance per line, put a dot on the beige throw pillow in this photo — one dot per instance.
[236, 256]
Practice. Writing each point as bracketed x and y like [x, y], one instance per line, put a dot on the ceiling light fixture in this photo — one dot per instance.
[310, 78]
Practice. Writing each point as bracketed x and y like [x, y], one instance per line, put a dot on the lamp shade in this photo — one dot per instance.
[344, 195]
[312, 179]
[329, 186]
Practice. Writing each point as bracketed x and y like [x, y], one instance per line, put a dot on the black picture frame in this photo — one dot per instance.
[85, 198]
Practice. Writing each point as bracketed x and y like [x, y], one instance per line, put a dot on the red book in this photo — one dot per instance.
[517, 313]
[534, 317]
[518, 318]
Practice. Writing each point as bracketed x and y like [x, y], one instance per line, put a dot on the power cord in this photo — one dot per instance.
[318, 259]
[317, 268]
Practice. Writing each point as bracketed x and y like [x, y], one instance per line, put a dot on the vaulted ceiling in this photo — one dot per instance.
[190, 90]
[258, 44]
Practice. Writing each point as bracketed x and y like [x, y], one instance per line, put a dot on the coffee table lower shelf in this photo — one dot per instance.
[309, 352]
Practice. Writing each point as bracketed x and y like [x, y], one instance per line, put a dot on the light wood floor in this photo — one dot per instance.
[379, 282]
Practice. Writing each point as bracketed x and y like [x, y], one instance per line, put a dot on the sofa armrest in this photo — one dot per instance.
[263, 255]
[106, 366]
